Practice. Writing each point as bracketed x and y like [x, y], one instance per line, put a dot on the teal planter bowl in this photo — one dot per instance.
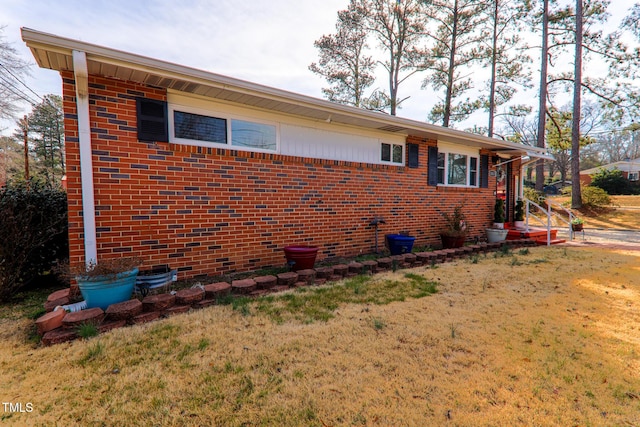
[102, 291]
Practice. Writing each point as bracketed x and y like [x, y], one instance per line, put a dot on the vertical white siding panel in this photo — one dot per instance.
[324, 144]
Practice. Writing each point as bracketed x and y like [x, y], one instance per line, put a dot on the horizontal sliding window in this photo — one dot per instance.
[244, 134]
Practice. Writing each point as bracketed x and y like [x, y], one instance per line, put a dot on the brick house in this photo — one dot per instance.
[211, 174]
[630, 169]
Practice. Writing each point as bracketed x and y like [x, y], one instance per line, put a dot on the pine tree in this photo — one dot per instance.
[456, 49]
[398, 26]
[343, 61]
[505, 58]
[45, 129]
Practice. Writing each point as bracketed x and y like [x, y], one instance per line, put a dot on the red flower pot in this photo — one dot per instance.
[450, 242]
[302, 257]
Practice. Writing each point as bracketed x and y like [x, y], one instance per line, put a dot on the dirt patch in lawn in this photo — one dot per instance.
[546, 336]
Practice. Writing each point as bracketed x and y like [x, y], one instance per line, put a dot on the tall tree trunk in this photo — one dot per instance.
[494, 59]
[576, 195]
[452, 59]
[542, 106]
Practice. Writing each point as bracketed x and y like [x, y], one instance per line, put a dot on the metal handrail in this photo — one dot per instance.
[548, 211]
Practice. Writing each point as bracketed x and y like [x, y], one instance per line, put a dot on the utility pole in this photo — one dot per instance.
[25, 131]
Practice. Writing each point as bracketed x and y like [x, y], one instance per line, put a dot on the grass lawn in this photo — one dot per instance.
[542, 336]
[623, 214]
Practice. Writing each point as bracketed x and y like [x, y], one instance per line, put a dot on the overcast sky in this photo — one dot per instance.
[262, 41]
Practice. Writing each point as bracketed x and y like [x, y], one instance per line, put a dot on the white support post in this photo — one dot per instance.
[81, 75]
[548, 224]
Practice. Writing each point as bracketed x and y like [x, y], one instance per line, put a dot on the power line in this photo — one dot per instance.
[11, 87]
[25, 96]
[21, 82]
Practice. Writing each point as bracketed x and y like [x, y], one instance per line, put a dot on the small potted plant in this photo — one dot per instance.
[456, 231]
[498, 214]
[497, 233]
[518, 214]
[577, 224]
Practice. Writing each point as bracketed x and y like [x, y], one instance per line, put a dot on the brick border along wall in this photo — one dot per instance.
[210, 211]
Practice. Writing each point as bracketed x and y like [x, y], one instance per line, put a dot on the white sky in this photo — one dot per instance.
[263, 41]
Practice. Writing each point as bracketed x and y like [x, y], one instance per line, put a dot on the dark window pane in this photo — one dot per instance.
[386, 152]
[473, 172]
[200, 128]
[441, 158]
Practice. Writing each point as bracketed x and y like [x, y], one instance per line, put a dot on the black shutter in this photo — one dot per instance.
[152, 120]
[484, 171]
[433, 166]
[412, 150]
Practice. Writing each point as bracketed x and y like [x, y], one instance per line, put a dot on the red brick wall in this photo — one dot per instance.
[207, 211]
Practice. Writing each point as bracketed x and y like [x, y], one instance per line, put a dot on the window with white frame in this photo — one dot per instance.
[633, 176]
[392, 153]
[457, 168]
[189, 126]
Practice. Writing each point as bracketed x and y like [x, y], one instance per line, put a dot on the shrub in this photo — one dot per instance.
[535, 196]
[595, 197]
[613, 182]
[592, 197]
[456, 224]
[498, 211]
[518, 214]
[34, 233]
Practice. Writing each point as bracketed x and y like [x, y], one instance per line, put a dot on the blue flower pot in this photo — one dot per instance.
[102, 291]
[399, 244]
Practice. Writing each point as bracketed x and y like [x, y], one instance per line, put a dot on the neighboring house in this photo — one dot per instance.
[211, 174]
[630, 170]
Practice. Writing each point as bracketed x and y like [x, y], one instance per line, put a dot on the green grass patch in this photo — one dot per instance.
[539, 261]
[237, 303]
[378, 324]
[87, 330]
[312, 304]
[95, 351]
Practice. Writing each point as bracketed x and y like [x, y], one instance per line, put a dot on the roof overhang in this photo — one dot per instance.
[55, 53]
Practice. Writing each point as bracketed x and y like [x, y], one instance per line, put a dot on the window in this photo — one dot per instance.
[200, 128]
[473, 171]
[457, 169]
[392, 153]
[441, 157]
[457, 164]
[218, 130]
[633, 176]
[254, 135]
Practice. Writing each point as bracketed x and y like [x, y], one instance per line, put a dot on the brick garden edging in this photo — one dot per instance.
[55, 328]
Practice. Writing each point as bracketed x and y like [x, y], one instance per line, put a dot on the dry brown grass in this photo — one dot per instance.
[623, 214]
[545, 338]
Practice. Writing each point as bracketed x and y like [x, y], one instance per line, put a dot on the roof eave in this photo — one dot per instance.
[44, 46]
